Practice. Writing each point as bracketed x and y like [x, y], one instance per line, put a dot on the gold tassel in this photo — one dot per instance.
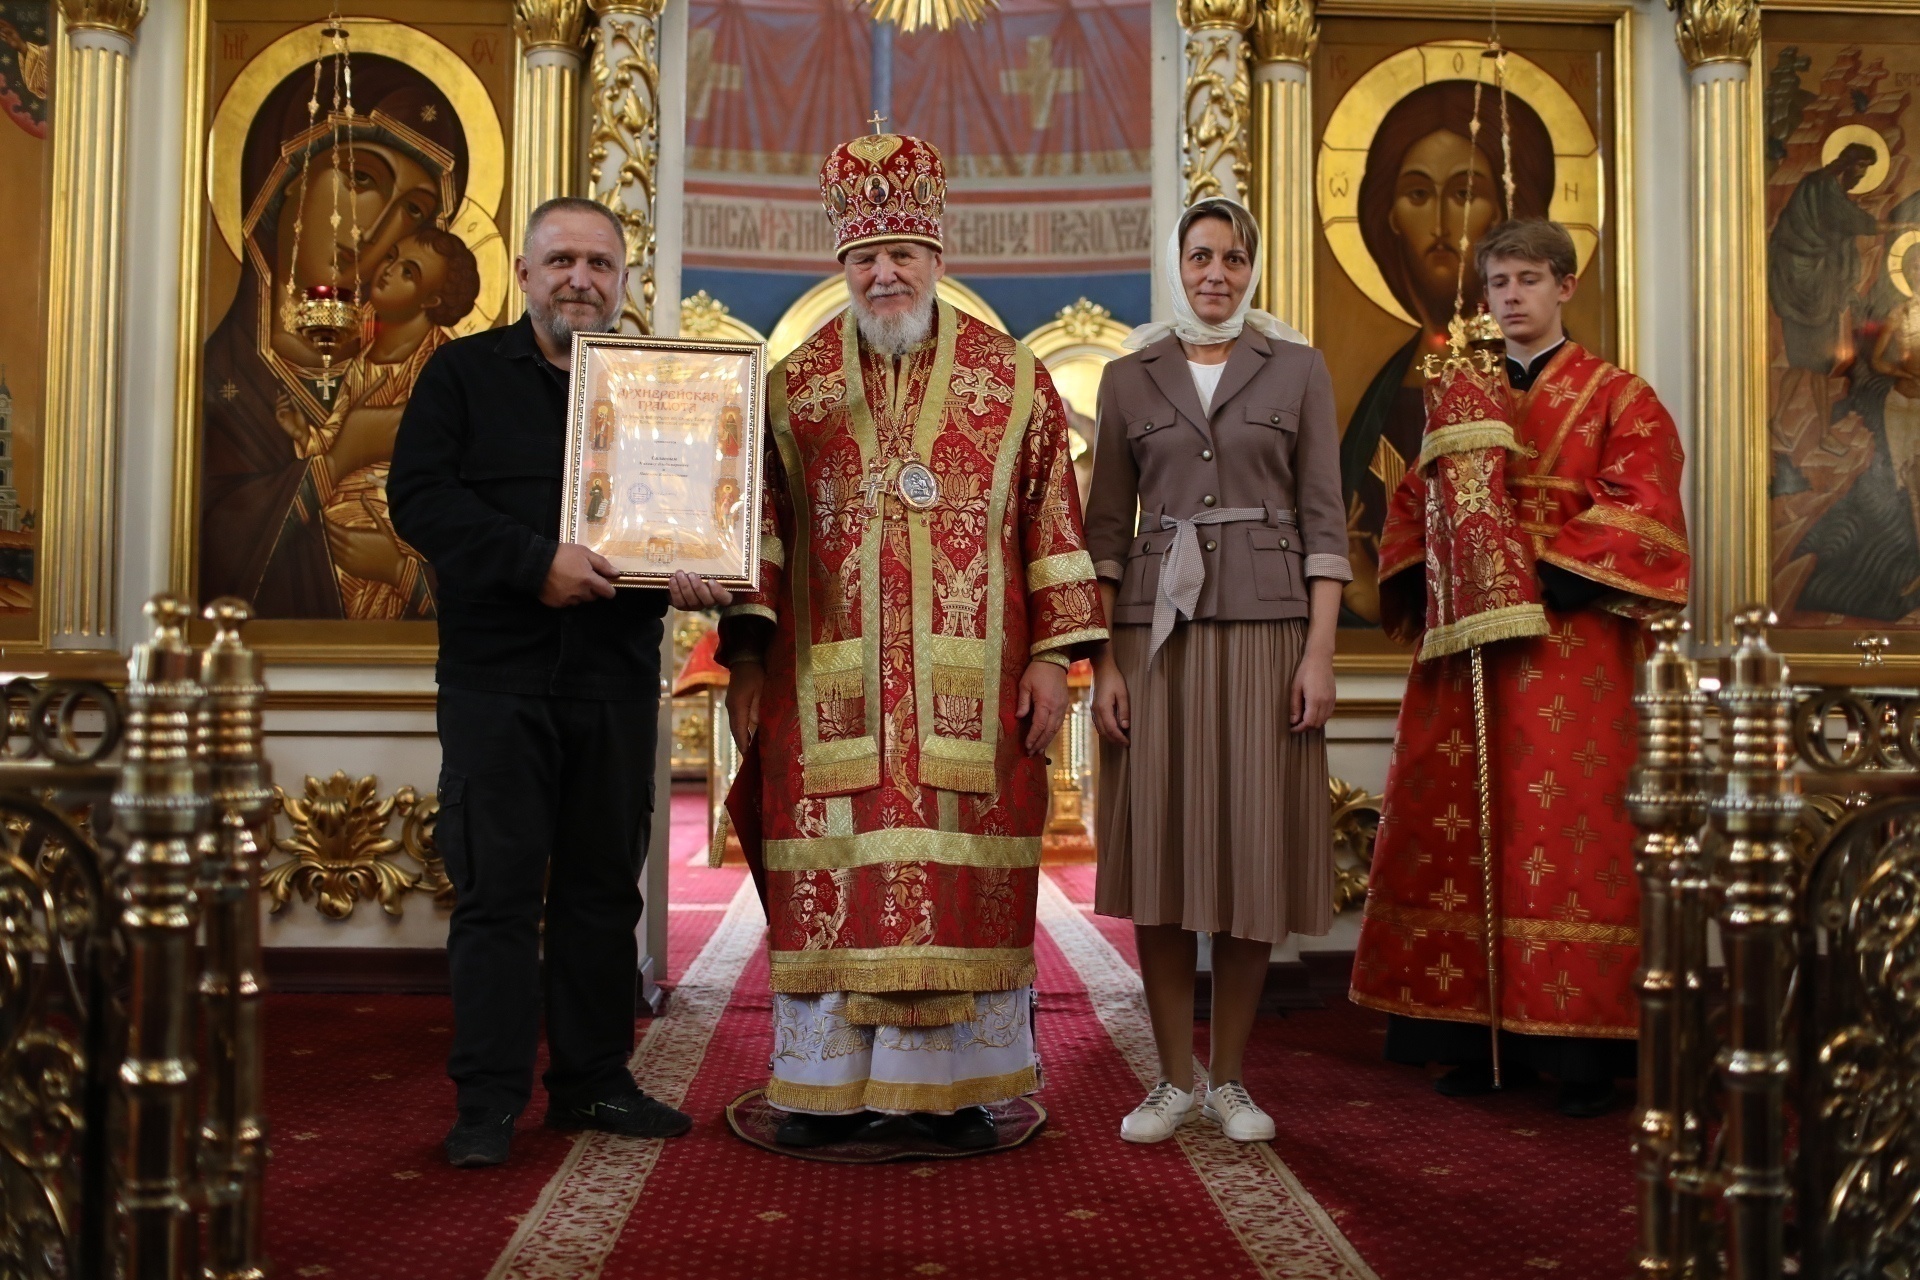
[894, 974]
[717, 847]
[955, 775]
[910, 1008]
[841, 776]
[1514, 622]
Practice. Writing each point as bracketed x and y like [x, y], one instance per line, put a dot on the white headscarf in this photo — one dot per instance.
[1190, 327]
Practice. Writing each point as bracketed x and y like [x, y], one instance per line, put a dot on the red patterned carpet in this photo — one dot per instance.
[1372, 1176]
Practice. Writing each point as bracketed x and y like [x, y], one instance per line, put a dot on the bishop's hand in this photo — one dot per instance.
[1043, 694]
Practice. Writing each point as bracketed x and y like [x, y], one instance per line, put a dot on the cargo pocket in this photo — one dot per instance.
[1276, 564]
[450, 832]
[1142, 577]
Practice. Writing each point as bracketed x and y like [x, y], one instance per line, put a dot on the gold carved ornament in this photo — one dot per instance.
[1218, 107]
[911, 15]
[1711, 31]
[1285, 31]
[339, 851]
[626, 118]
[550, 24]
[1356, 825]
[705, 316]
[117, 16]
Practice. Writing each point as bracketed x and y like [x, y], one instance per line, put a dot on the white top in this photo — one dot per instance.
[1206, 380]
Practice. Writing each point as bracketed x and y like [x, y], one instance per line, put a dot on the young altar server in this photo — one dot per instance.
[1213, 817]
[1594, 481]
[924, 583]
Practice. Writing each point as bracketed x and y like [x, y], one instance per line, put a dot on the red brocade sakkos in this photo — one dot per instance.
[921, 545]
[1596, 484]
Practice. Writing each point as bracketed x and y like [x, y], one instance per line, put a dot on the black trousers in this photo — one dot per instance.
[545, 807]
[1569, 1059]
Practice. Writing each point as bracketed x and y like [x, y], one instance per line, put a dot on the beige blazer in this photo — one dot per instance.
[1269, 442]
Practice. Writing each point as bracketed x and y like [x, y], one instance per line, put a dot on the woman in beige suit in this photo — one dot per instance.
[1219, 433]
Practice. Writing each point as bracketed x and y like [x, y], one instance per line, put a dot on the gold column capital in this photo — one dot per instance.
[1216, 15]
[550, 24]
[118, 17]
[1710, 31]
[632, 8]
[1285, 31]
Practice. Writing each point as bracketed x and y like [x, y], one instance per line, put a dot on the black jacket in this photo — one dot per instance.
[475, 488]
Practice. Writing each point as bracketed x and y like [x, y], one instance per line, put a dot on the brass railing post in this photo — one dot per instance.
[1668, 804]
[233, 1129]
[1755, 811]
[160, 803]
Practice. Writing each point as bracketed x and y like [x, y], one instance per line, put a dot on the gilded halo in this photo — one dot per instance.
[1579, 200]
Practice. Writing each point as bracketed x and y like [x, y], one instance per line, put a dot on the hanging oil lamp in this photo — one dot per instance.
[327, 314]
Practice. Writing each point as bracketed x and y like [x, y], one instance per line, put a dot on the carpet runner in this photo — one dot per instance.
[1372, 1174]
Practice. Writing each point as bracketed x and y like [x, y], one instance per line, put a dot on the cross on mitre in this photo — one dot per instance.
[876, 121]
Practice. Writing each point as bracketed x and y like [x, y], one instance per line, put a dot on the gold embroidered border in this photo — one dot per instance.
[1508, 1021]
[1462, 437]
[1066, 640]
[901, 969]
[890, 1095]
[1521, 927]
[1565, 483]
[966, 764]
[1619, 581]
[773, 550]
[1552, 455]
[838, 655]
[1633, 522]
[1514, 622]
[1072, 566]
[902, 844]
[749, 611]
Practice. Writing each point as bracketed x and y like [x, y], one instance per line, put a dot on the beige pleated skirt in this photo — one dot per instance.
[1216, 818]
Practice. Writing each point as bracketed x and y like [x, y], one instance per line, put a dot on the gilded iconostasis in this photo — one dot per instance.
[26, 172]
[295, 442]
[1842, 210]
[1404, 176]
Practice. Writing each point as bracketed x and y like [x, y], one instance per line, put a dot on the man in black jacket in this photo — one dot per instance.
[549, 685]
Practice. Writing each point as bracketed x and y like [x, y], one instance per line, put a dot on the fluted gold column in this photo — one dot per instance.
[1717, 38]
[1284, 34]
[623, 146]
[546, 112]
[77, 575]
[1217, 108]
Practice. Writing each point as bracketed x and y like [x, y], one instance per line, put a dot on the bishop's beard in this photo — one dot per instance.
[893, 335]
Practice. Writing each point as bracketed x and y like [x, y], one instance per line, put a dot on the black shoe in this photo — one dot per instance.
[1586, 1101]
[968, 1129]
[802, 1129]
[480, 1137]
[629, 1113]
[1475, 1079]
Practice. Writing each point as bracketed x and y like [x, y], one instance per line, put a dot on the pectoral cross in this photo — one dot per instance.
[872, 487]
[877, 121]
[326, 382]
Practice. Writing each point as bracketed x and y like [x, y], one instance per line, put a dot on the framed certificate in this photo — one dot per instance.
[663, 456]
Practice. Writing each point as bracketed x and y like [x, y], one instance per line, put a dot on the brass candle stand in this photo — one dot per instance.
[1799, 840]
[131, 1135]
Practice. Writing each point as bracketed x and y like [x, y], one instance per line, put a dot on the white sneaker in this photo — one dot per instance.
[1154, 1120]
[1228, 1106]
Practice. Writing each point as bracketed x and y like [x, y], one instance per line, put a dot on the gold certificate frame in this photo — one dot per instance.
[663, 456]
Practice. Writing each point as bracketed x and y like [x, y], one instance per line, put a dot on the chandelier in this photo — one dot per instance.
[911, 15]
[325, 314]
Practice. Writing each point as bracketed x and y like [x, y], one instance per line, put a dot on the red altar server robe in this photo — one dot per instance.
[892, 804]
[1596, 485]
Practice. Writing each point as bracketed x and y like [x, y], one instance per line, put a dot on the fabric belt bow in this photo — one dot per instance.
[1184, 571]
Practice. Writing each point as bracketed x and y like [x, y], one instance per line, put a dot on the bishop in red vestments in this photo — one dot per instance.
[924, 585]
[1594, 485]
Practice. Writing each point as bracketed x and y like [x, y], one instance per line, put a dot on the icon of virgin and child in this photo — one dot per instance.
[296, 446]
[1424, 185]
